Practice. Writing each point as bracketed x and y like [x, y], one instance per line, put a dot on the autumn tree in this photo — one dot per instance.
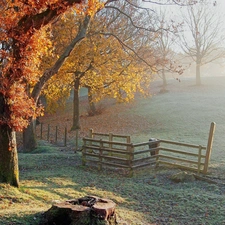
[110, 62]
[21, 22]
[201, 39]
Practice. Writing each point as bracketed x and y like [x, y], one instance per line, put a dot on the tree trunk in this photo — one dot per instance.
[29, 137]
[76, 103]
[198, 74]
[91, 103]
[83, 211]
[164, 81]
[9, 171]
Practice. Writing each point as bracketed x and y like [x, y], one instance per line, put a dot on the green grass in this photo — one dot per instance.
[185, 113]
[150, 197]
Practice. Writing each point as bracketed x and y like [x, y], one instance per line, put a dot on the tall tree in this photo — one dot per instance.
[202, 37]
[20, 22]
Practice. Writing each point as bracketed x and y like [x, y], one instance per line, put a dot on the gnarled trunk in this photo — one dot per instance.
[9, 171]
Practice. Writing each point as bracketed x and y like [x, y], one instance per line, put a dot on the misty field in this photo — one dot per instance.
[184, 113]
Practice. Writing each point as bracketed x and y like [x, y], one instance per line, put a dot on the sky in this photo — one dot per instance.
[220, 6]
[174, 12]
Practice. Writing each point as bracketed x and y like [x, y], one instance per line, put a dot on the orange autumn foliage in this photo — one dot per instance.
[23, 44]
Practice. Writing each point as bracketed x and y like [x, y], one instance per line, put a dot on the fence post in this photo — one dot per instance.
[110, 144]
[77, 133]
[41, 130]
[84, 153]
[157, 155]
[90, 135]
[100, 155]
[48, 132]
[131, 158]
[65, 136]
[209, 146]
[199, 158]
[128, 139]
[128, 147]
[56, 134]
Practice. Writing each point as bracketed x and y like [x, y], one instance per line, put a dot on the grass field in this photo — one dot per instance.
[184, 114]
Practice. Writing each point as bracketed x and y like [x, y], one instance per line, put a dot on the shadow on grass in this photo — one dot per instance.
[28, 219]
[57, 175]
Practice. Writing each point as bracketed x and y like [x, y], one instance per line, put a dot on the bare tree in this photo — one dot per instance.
[201, 38]
[166, 38]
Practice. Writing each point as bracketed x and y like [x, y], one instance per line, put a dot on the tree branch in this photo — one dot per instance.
[36, 21]
[128, 47]
[174, 2]
[55, 68]
[130, 19]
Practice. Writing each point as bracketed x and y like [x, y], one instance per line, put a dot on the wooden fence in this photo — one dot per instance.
[55, 134]
[106, 150]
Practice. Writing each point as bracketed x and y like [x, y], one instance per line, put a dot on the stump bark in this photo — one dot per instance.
[89, 210]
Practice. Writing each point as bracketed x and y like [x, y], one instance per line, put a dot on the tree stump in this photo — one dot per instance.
[89, 210]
